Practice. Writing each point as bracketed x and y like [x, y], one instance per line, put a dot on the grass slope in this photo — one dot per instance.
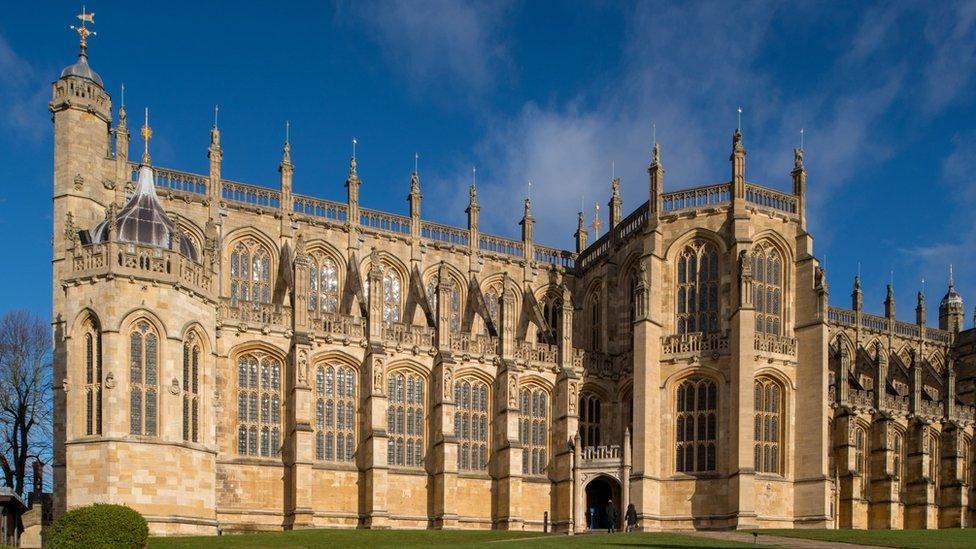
[956, 538]
[301, 539]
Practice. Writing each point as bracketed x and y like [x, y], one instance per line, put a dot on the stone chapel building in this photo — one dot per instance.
[231, 357]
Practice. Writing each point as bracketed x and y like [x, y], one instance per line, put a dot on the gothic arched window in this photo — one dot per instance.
[258, 405]
[533, 430]
[191, 388]
[405, 416]
[250, 273]
[767, 276]
[335, 413]
[455, 302]
[768, 426]
[589, 419]
[696, 432]
[551, 312]
[471, 424]
[143, 379]
[697, 295]
[323, 285]
[93, 379]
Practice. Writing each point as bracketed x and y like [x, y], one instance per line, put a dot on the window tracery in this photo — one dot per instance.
[405, 419]
[335, 416]
[697, 295]
[696, 430]
[143, 379]
[533, 430]
[767, 275]
[589, 419]
[768, 426]
[323, 284]
[258, 405]
[191, 388]
[471, 424]
[93, 379]
[250, 273]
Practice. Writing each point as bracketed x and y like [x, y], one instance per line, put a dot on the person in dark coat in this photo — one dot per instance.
[611, 517]
[631, 518]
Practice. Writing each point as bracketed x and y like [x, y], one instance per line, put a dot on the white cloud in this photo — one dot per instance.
[439, 44]
[21, 93]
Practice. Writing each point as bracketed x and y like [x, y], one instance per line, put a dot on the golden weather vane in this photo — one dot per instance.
[146, 136]
[82, 30]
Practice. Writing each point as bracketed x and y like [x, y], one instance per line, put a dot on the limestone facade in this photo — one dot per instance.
[687, 361]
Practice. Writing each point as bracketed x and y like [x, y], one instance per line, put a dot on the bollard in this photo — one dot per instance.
[545, 522]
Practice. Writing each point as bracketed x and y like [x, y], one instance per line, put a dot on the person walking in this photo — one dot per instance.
[631, 518]
[611, 517]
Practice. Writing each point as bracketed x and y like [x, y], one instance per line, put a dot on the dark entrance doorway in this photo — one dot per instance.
[599, 492]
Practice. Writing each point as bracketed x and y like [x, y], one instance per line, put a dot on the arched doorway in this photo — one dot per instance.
[599, 492]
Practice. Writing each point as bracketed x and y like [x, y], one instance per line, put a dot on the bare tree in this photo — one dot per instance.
[25, 396]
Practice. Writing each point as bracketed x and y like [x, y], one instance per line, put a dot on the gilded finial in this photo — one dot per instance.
[82, 30]
[597, 224]
[146, 136]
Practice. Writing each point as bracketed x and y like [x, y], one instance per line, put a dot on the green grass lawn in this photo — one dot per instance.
[956, 538]
[341, 539]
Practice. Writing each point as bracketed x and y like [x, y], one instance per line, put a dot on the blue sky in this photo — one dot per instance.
[552, 92]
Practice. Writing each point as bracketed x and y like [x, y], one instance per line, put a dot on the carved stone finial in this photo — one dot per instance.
[798, 158]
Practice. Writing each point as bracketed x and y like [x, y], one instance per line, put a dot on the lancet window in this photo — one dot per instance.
[471, 424]
[93, 379]
[143, 379]
[191, 388]
[533, 430]
[258, 405]
[768, 426]
[697, 292]
[405, 416]
[696, 426]
[323, 285]
[590, 413]
[335, 413]
[250, 273]
[767, 275]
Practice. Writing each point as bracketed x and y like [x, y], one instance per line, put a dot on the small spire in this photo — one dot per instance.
[656, 155]
[122, 115]
[416, 163]
[215, 131]
[951, 285]
[286, 149]
[82, 30]
[146, 136]
[354, 142]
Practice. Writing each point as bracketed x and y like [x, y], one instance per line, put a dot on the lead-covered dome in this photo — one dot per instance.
[143, 221]
[82, 69]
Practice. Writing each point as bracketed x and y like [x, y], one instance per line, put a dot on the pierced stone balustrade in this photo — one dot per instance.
[474, 344]
[860, 399]
[963, 412]
[123, 259]
[536, 352]
[772, 343]
[694, 343]
[601, 453]
[895, 403]
[339, 326]
[930, 408]
[254, 315]
[397, 334]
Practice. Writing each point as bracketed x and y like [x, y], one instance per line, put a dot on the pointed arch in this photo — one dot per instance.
[250, 257]
[325, 277]
[89, 346]
[406, 414]
[259, 387]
